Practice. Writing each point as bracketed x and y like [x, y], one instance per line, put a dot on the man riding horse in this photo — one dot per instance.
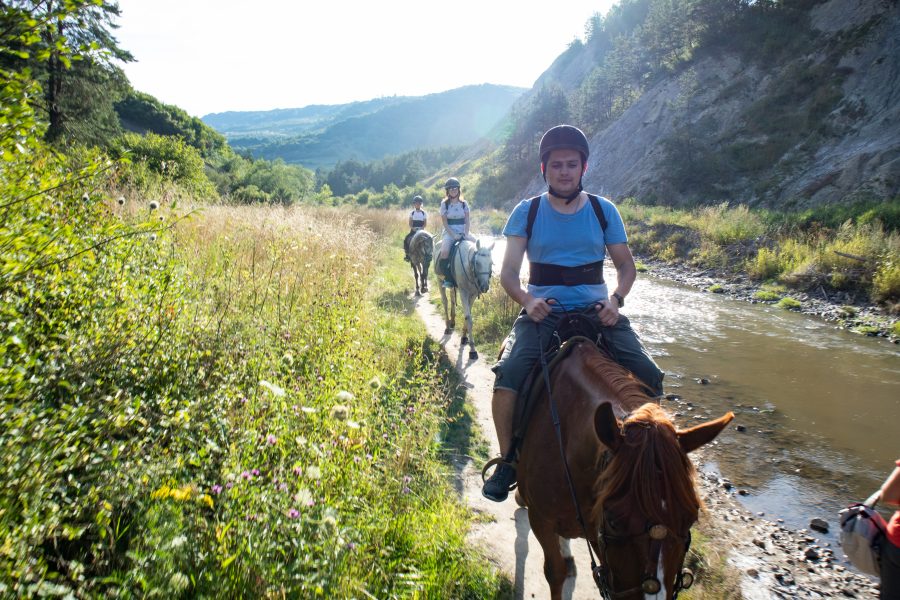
[566, 233]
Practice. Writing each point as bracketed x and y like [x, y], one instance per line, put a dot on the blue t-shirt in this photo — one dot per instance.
[569, 241]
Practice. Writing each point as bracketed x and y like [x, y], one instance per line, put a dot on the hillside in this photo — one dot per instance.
[805, 113]
[321, 136]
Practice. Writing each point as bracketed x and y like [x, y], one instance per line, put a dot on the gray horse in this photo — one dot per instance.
[421, 251]
[471, 269]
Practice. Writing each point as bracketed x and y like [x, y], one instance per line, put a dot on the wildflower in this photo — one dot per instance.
[120, 200]
[85, 197]
[407, 479]
[352, 424]
[351, 546]
[246, 475]
[152, 237]
[344, 396]
[274, 389]
[308, 409]
[206, 499]
[293, 513]
[271, 440]
[313, 472]
[183, 493]
[304, 497]
[298, 471]
[330, 521]
[229, 485]
[295, 408]
[161, 493]
[216, 489]
[154, 205]
[406, 490]
[282, 487]
[255, 472]
[340, 412]
[179, 581]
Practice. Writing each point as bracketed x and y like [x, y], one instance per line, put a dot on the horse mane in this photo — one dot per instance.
[651, 470]
[618, 380]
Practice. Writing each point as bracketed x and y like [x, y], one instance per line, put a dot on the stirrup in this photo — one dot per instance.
[499, 461]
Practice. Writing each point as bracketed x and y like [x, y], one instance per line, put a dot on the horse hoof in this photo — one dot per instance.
[418, 293]
[473, 355]
[464, 340]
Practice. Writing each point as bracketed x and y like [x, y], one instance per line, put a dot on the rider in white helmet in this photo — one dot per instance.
[455, 218]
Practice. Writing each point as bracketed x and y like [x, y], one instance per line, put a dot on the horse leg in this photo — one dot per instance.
[554, 564]
[565, 548]
[468, 337]
[416, 277]
[452, 321]
[425, 275]
[448, 328]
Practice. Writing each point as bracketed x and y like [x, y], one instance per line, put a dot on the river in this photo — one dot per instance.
[820, 406]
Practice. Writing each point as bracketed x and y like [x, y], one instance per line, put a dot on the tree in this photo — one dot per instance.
[72, 58]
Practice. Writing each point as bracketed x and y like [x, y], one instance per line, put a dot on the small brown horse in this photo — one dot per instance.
[634, 483]
[421, 251]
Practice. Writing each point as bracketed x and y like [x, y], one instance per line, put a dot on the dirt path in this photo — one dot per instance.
[774, 562]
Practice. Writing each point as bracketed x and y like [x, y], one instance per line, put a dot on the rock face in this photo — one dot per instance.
[821, 128]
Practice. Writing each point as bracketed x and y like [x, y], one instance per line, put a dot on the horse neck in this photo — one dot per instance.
[465, 252]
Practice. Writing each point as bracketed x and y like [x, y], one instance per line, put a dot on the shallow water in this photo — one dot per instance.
[821, 406]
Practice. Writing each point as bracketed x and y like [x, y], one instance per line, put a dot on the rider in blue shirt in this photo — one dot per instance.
[569, 238]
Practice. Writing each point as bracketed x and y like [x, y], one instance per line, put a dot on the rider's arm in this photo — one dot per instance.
[447, 225]
[537, 308]
[625, 269]
[466, 234]
[410, 220]
[890, 491]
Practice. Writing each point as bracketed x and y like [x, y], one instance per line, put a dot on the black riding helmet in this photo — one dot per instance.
[417, 199]
[564, 137]
[453, 182]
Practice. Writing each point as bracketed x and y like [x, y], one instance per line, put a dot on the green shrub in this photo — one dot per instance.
[789, 303]
[715, 289]
[886, 282]
[155, 159]
[766, 296]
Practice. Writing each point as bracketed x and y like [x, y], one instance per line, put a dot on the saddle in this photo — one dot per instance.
[573, 329]
[454, 249]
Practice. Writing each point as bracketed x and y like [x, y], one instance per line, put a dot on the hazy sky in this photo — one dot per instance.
[217, 55]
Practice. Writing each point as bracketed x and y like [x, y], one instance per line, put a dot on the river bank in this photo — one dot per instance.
[842, 308]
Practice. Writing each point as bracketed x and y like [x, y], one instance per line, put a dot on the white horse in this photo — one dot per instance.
[420, 254]
[471, 270]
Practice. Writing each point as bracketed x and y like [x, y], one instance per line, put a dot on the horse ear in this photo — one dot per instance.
[607, 426]
[704, 433]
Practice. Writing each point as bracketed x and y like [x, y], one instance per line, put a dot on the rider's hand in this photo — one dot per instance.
[608, 312]
[537, 308]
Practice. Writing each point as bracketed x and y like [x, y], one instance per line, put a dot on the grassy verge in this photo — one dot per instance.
[855, 249]
[237, 403]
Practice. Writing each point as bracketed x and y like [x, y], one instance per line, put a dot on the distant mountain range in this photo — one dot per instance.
[322, 135]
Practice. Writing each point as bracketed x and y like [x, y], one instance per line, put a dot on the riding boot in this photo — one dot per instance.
[448, 278]
[497, 486]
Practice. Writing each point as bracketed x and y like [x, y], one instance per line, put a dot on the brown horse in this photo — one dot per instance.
[421, 250]
[634, 483]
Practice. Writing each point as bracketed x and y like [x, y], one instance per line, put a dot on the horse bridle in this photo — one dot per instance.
[650, 584]
[476, 272]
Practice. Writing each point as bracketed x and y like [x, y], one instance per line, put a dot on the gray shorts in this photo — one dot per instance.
[524, 343]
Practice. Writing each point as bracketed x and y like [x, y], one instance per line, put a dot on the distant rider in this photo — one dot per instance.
[418, 220]
[566, 248]
[455, 217]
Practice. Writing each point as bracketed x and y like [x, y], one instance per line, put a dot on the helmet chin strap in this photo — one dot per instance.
[567, 197]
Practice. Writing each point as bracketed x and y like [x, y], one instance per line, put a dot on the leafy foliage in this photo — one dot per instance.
[143, 113]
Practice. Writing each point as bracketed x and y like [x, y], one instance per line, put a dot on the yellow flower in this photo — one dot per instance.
[206, 499]
[161, 493]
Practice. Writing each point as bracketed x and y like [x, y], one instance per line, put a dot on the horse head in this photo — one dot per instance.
[646, 500]
[482, 265]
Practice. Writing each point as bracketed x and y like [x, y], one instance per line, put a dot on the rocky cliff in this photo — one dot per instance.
[821, 127]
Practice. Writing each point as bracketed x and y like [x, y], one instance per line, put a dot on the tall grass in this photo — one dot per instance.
[236, 409]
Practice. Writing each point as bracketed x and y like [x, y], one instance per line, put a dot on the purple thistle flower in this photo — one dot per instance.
[272, 440]
[255, 472]
[217, 489]
[246, 475]
[293, 513]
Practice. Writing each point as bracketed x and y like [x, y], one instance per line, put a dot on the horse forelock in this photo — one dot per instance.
[650, 472]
